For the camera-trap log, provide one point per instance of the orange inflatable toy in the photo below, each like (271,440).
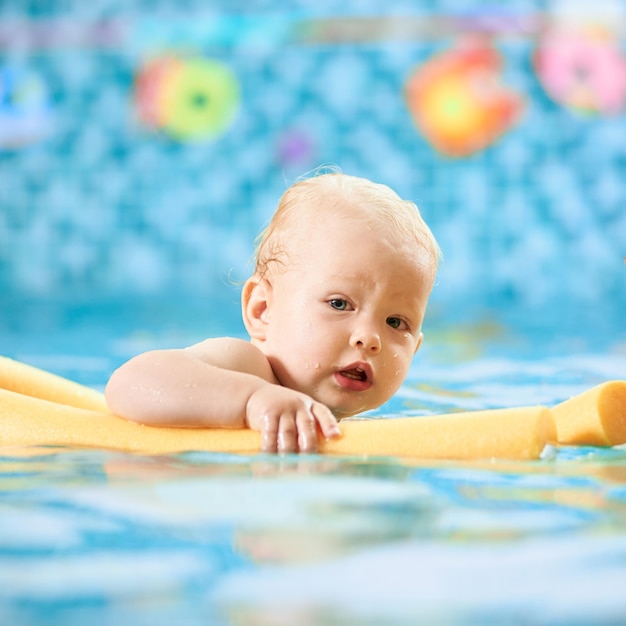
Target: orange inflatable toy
(458,101)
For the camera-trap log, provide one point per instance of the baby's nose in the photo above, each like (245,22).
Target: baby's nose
(368,340)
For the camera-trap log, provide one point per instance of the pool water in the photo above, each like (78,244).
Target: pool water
(99,537)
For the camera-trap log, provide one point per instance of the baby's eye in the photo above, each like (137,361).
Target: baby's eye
(397,323)
(339,304)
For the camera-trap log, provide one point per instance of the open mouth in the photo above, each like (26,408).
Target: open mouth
(355,373)
(355,378)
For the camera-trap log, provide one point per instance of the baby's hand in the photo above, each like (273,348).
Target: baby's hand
(288,419)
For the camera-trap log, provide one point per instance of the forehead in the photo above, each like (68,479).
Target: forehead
(360,250)
(322,231)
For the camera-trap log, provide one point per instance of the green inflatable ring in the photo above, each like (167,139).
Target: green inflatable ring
(202,100)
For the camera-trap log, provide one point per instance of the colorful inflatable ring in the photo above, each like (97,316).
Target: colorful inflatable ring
(40,408)
(25,109)
(583,72)
(202,100)
(191,99)
(458,101)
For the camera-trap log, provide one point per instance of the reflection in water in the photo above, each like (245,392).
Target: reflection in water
(208,538)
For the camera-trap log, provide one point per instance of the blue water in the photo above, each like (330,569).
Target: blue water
(116,238)
(99,537)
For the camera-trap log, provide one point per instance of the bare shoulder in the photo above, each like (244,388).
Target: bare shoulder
(233,354)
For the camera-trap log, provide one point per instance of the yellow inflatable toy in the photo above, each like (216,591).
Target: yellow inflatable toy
(39,408)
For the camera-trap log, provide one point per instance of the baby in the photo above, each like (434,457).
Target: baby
(334,312)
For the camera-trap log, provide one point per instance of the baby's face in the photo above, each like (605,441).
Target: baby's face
(344,319)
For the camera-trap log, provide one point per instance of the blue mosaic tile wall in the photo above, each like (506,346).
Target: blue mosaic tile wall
(99,202)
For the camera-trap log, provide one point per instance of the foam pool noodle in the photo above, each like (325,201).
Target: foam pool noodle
(596,417)
(40,408)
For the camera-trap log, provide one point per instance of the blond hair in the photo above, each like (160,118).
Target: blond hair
(334,191)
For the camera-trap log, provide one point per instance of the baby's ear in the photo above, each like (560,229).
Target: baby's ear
(255,302)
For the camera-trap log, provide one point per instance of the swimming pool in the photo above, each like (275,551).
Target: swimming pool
(121,218)
(100,537)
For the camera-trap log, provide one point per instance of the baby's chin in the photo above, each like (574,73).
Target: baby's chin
(343,412)
(345,407)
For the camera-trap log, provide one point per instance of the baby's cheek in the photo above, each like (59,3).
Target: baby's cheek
(398,370)
(393,382)
(399,364)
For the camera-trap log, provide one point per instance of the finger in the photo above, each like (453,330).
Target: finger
(287,435)
(307,431)
(326,420)
(269,433)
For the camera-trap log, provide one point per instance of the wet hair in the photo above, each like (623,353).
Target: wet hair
(341,194)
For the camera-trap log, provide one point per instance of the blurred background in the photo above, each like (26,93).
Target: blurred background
(144,144)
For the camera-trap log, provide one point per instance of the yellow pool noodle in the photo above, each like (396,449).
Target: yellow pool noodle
(32,381)
(39,408)
(504,433)
(596,417)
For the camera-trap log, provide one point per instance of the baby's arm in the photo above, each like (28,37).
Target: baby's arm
(224,383)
